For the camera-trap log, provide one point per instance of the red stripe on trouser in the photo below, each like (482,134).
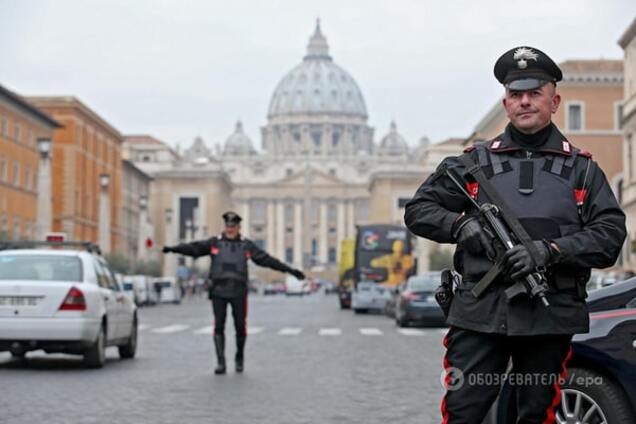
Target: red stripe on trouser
(550,418)
(445,416)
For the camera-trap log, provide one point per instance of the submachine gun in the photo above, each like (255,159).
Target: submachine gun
(503,226)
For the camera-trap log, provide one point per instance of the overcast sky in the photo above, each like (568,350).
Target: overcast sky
(178,69)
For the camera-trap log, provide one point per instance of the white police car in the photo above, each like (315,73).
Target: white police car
(61,300)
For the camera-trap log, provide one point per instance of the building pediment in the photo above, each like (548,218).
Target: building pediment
(317,178)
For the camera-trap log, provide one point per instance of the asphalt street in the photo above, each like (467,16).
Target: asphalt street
(306,362)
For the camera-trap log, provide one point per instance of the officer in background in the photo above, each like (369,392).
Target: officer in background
(563,200)
(229,279)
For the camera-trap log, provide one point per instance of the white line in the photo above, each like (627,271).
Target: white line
(204,330)
(142,327)
(254,330)
(411,332)
(330,332)
(171,329)
(443,331)
(371,332)
(290,331)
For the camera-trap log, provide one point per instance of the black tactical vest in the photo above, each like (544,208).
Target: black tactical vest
(229,261)
(539,188)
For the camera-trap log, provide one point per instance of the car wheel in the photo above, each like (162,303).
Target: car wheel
(95,356)
(359,311)
(128,350)
(588,396)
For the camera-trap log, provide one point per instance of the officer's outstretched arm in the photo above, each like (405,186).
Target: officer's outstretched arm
(600,241)
(195,249)
(262,258)
(436,205)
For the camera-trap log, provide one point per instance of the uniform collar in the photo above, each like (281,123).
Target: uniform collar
(556,143)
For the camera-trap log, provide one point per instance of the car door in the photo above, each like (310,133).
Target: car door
(109,299)
(125,308)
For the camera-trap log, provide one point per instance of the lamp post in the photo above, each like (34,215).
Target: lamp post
(169,261)
(44,197)
(142,230)
(104,213)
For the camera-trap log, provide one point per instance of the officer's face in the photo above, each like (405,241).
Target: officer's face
(232,231)
(531,110)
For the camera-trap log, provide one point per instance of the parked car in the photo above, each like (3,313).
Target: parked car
(170,291)
(144,290)
(296,287)
(600,386)
(63,301)
(415,303)
(369,295)
(330,287)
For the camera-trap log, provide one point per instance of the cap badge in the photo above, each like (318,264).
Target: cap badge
(522,55)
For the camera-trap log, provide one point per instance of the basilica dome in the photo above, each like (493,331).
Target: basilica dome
(317,86)
(238,143)
(393,143)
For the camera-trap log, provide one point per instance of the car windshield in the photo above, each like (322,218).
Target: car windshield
(423,284)
(40,268)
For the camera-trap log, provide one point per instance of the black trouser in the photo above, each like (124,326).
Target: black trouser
(478,363)
(239,313)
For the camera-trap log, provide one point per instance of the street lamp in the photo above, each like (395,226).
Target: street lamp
(44,147)
(143,202)
(104,180)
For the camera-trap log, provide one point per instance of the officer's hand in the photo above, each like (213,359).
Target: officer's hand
(298,274)
(472,238)
(518,263)
(166,249)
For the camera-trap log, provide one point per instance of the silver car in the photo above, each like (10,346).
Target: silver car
(63,301)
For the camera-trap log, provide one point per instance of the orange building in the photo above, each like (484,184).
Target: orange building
(589,115)
(86,147)
(21,125)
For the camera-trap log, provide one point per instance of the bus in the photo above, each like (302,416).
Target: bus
(383,259)
(345,272)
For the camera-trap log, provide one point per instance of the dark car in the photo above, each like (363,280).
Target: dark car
(415,303)
(600,386)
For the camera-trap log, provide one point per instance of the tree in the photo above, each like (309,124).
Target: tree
(118,263)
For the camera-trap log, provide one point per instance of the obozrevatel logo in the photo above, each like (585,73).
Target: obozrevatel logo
(452,379)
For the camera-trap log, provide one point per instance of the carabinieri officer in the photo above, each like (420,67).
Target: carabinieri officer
(230,252)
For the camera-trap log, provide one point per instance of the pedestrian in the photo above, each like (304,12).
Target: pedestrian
(562,199)
(158,286)
(229,253)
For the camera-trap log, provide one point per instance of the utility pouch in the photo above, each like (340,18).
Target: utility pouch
(444,293)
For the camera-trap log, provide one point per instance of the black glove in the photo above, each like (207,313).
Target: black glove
(517,262)
(297,273)
(471,237)
(166,249)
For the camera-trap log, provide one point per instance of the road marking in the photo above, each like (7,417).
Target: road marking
(290,331)
(443,331)
(411,332)
(254,330)
(371,332)
(171,329)
(142,327)
(204,330)
(330,332)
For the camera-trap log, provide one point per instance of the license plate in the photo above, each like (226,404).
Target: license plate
(15,301)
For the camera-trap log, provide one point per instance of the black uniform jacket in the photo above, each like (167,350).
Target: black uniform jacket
(594,241)
(231,287)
